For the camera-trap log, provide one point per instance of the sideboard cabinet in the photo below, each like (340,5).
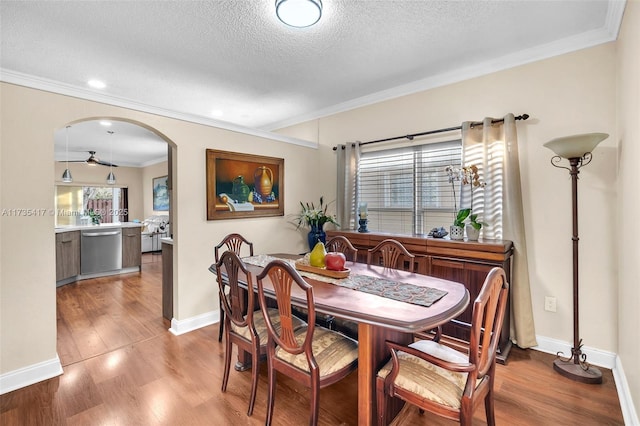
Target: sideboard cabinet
(467,262)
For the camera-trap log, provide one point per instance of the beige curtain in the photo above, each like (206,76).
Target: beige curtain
(493,148)
(348,157)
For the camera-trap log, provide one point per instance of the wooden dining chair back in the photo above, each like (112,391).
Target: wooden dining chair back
(441,380)
(312,355)
(341,244)
(244,327)
(234,243)
(391,254)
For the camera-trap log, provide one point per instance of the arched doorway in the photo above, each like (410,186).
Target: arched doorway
(121,145)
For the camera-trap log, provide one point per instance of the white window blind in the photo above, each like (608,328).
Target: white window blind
(407,189)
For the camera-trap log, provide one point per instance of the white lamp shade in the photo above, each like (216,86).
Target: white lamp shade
(299,13)
(66,176)
(575,146)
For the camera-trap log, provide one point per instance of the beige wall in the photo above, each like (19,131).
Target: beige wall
(565,95)
(129,177)
(629,184)
(27,293)
(148,173)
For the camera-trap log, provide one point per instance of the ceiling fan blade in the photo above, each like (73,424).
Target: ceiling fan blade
(105,163)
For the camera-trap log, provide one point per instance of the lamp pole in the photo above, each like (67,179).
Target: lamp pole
(576,149)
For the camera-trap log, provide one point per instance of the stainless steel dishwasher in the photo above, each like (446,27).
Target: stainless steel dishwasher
(100,250)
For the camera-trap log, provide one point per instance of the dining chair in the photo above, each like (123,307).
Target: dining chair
(341,244)
(441,380)
(244,327)
(312,355)
(234,243)
(391,254)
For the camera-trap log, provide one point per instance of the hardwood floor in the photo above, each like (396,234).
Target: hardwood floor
(122,367)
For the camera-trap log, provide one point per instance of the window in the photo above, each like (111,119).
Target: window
(407,189)
(73,202)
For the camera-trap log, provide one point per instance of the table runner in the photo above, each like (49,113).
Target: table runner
(403,292)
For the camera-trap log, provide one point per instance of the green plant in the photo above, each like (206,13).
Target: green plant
(95,217)
(473,221)
(462,215)
(315,216)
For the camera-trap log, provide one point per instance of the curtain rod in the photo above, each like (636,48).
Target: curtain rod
(431,132)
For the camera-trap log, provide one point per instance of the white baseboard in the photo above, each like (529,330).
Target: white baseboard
(179,327)
(26,376)
(629,412)
(600,358)
(594,356)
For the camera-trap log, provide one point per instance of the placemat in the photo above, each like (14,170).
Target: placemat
(403,292)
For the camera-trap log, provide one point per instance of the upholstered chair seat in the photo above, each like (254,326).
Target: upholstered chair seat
(261,326)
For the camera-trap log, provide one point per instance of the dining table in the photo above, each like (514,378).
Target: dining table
(381,312)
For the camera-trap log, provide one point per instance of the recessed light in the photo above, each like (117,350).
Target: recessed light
(96,84)
(105,123)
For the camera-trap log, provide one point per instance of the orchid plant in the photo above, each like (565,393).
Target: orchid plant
(466,176)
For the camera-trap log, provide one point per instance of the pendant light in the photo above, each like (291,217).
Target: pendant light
(66,176)
(111,178)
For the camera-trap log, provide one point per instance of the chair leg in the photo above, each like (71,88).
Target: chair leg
(227,364)
(221,323)
(489,408)
(271,394)
(315,400)
(255,365)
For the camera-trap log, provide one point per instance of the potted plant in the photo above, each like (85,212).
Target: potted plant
(456,231)
(466,176)
(315,218)
(473,227)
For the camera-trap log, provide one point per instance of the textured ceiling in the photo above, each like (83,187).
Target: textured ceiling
(189,58)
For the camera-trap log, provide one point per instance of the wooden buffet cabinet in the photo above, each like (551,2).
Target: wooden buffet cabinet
(467,262)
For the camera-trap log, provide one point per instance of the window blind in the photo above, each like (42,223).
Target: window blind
(407,189)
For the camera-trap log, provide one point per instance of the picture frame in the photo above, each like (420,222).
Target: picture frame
(243,185)
(160,193)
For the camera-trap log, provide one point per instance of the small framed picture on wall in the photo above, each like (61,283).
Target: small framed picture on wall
(160,194)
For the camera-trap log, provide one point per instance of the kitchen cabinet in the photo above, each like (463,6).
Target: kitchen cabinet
(167,278)
(467,262)
(67,255)
(131,247)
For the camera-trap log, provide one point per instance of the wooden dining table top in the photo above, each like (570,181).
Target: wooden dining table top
(376,310)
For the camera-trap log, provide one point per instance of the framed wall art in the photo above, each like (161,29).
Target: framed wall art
(243,185)
(160,194)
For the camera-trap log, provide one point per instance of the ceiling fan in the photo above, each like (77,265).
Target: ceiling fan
(93,161)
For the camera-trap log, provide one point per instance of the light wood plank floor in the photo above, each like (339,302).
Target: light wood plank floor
(122,367)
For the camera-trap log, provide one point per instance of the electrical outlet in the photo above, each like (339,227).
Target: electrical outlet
(549,304)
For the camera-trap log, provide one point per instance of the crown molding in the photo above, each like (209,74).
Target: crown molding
(605,34)
(33,82)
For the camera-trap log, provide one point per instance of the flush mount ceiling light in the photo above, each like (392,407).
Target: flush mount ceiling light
(299,13)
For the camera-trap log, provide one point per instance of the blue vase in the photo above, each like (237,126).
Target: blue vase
(316,234)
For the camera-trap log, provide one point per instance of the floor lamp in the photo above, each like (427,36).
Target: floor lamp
(577,149)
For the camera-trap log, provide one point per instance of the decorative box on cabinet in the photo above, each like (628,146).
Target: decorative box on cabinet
(467,262)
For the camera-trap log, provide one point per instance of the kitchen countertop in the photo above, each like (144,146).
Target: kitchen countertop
(167,240)
(67,228)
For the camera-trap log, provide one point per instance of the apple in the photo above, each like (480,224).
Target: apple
(335,261)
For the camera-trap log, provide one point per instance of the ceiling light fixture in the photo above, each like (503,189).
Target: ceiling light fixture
(111,178)
(66,176)
(299,13)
